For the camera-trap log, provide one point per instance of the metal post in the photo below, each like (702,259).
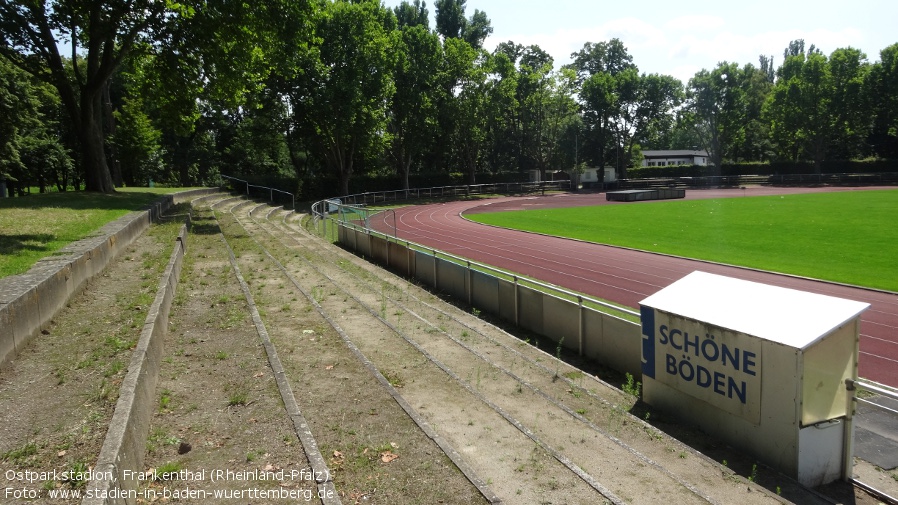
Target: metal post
(434,251)
(517,318)
(469,280)
(580,325)
(848,435)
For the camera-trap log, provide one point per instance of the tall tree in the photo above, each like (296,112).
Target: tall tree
(108,31)
(31,150)
(882,84)
(450,18)
(18,113)
(565,124)
(652,108)
(138,143)
(753,143)
(799,104)
(535,88)
(408,14)
(599,105)
(466,104)
(714,104)
(818,107)
(341,99)
(598,66)
(413,107)
(477,29)
(609,57)
(850,107)
(452,24)
(505,132)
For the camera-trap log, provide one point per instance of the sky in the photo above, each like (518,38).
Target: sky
(679,38)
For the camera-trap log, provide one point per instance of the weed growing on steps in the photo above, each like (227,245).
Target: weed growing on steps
(632,386)
(557,358)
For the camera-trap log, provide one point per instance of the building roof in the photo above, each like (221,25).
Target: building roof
(674,154)
(790,317)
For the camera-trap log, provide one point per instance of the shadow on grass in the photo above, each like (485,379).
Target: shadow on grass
(13,244)
(82,200)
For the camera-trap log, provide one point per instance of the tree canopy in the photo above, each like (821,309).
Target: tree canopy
(319,92)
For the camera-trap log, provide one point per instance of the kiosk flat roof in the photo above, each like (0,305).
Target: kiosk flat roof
(787,316)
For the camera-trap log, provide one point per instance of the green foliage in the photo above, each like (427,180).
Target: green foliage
(413,107)
(714,105)
(30,151)
(327,91)
(137,143)
(340,103)
(38,225)
(632,387)
(818,108)
(882,83)
(32,29)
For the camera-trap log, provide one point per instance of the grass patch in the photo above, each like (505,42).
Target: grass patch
(35,226)
(844,236)
(20,455)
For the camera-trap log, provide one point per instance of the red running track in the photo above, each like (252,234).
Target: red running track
(626,276)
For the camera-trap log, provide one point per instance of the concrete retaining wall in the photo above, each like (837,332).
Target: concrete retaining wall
(610,340)
(125,444)
(28,302)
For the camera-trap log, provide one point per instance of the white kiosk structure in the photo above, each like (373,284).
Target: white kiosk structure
(761,367)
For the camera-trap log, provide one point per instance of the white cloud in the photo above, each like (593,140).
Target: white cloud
(692,22)
(683,45)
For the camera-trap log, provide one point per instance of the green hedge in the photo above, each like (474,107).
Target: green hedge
(771,168)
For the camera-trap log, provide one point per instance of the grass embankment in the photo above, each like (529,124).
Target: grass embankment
(847,237)
(36,226)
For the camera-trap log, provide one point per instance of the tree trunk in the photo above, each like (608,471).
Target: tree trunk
(406,168)
(96,171)
(183,156)
(344,182)
(110,125)
(343,164)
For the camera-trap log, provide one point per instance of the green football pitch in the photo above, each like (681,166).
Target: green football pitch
(849,237)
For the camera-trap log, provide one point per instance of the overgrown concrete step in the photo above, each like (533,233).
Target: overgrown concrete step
(57,396)
(727,478)
(374,448)
(29,301)
(388,353)
(218,417)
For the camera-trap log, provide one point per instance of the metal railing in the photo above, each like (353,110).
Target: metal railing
(271,191)
(324,210)
(881,390)
(324,214)
(375,197)
(338,217)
